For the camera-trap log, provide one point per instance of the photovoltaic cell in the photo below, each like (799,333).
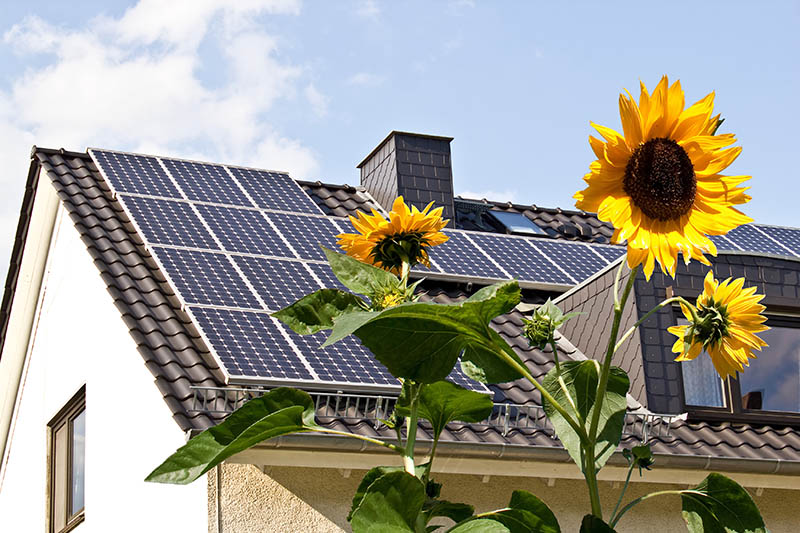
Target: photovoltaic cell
(519,259)
(459,256)
(135,173)
(275,190)
(206,183)
(205,278)
(750,239)
(244,231)
(250,344)
(346,361)
(459,378)
(789,237)
(611,253)
(168,222)
(278,283)
(326,276)
(722,242)
(576,259)
(306,233)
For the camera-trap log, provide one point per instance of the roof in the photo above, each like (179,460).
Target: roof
(179,360)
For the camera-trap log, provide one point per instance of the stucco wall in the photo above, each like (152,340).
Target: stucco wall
(290,500)
(79,339)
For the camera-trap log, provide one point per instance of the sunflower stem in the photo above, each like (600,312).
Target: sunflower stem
(617,278)
(650,313)
(411,430)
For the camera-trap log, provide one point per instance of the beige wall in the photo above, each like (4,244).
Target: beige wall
(294,500)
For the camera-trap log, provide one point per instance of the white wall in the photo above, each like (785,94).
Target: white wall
(80,338)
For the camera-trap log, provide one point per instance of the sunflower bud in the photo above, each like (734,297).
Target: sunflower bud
(541,327)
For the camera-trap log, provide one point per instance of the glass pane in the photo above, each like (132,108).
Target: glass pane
(78,461)
(772,382)
(701,384)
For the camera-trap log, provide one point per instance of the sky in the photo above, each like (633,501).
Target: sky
(311,87)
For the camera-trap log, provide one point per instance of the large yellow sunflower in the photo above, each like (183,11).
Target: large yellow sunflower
(405,237)
(728,318)
(660,184)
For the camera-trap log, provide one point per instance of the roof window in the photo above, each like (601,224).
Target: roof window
(516,223)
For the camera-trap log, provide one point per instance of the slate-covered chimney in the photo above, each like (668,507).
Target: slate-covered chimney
(413,165)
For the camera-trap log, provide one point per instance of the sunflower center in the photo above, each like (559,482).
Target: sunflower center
(660,179)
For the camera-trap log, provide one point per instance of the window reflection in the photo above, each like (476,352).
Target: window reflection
(701,384)
(772,382)
(78,461)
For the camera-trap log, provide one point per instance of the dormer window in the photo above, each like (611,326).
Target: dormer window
(767,391)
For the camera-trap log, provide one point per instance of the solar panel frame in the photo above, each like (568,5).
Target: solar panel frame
(521,259)
(206,182)
(306,244)
(179,227)
(291,278)
(144,176)
(748,238)
(788,237)
(459,250)
(583,261)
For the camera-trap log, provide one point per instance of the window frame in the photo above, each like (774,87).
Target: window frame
(733,410)
(65,416)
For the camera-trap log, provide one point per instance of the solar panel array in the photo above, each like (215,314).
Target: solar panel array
(770,240)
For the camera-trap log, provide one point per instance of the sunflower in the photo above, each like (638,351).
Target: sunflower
(728,317)
(405,237)
(659,184)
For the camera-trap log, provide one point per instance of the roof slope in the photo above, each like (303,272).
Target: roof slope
(178,359)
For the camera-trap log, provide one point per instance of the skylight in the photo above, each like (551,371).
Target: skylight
(516,223)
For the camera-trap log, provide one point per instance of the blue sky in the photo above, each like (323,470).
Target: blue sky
(311,87)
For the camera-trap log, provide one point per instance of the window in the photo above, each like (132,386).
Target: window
(768,390)
(67,433)
(516,223)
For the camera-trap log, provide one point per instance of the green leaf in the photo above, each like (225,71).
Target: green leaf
(443,402)
(720,505)
(526,514)
(483,365)
(422,341)
(456,512)
(391,504)
(481,525)
(278,412)
(370,477)
(357,276)
(580,380)
(317,311)
(592,524)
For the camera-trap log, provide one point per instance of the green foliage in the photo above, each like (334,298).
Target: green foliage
(639,456)
(526,514)
(422,341)
(317,311)
(357,276)
(443,402)
(542,325)
(278,412)
(578,395)
(457,512)
(720,505)
(370,477)
(479,526)
(592,524)
(391,504)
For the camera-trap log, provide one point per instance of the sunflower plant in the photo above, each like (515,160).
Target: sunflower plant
(659,184)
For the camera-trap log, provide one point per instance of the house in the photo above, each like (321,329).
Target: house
(135,314)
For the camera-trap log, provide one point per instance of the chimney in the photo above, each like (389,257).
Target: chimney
(413,165)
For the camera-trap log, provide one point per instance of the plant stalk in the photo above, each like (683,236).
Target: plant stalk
(624,488)
(411,430)
(641,499)
(359,437)
(590,473)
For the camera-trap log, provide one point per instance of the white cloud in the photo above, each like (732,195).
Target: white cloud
(134,83)
(366,79)
(368,9)
(318,101)
(488,194)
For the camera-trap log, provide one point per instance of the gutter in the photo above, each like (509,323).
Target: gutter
(515,460)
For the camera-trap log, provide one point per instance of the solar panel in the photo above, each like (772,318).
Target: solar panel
(250,344)
(244,231)
(611,253)
(206,183)
(347,361)
(168,222)
(133,173)
(278,283)
(520,259)
(581,260)
(205,278)
(306,233)
(326,276)
(274,190)
(749,238)
(459,256)
(789,237)
(722,242)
